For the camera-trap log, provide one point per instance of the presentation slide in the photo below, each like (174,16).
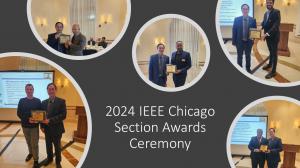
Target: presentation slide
(246,128)
(12,86)
(231,9)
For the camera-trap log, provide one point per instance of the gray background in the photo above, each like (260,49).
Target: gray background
(222,87)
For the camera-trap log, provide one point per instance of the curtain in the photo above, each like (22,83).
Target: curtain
(181,30)
(83,12)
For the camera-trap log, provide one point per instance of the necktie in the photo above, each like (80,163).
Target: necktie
(160,63)
(245,29)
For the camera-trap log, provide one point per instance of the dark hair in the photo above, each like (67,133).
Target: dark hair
(51,84)
(245,5)
(29,85)
(272,129)
(104,38)
(59,23)
(160,44)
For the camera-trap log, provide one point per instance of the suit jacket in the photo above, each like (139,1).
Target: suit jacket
(237,30)
(275,146)
(255,144)
(54,43)
(184,63)
(55,115)
(77,46)
(271,25)
(154,72)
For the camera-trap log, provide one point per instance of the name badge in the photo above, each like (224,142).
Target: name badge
(183,60)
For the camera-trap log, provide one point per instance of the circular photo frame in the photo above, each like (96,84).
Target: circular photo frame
(193,39)
(104,20)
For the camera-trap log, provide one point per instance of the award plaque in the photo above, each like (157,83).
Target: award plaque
(264,148)
(171,68)
(64,38)
(255,33)
(38,115)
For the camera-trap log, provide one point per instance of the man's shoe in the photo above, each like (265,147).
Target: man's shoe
(48,161)
(249,71)
(35,164)
(266,67)
(29,156)
(58,165)
(270,75)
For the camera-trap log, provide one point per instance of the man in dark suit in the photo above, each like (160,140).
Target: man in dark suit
(271,26)
(91,41)
(274,149)
(182,60)
(258,157)
(103,42)
(77,44)
(157,67)
(53,39)
(240,36)
(53,126)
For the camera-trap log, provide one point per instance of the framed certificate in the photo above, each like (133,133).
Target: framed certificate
(38,115)
(171,68)
(264,148)
(255,33)
(64,38)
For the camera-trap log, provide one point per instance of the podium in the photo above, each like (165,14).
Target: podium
(289,156)
(283,48)
(80,134)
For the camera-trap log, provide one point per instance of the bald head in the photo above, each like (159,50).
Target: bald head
(76,29)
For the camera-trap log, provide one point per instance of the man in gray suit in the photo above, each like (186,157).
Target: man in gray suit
(76,45)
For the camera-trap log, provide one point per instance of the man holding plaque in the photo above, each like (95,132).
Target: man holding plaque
(274,149)
(271,26)
(241,36)
(257,147)
(77,44)
(30,128)
(54,38)
(158,65)
(182,60)
(53,125)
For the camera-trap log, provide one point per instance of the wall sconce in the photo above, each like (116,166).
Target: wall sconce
(105,19)
(41,21)
(297,124)
(159,40)
(63,20)
(62,83)
(288,2)
(261,2)
(275,124)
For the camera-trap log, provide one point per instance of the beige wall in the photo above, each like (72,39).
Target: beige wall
(289,14)
(69,93)
(118,10)
(147,46)
(53,10)
(286,114)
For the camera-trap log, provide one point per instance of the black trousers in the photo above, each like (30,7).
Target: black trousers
(273,49)
(179,80)
(53,139)
(272,164)
(258,161)
(244,47)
